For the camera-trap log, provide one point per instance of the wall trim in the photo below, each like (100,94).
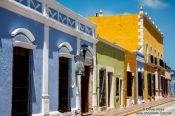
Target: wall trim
(65,55)
(25,32)
(27,12)
(24,45)
(65,44)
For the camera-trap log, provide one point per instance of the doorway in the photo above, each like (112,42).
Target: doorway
(64,99)
(110,89)
(20,82)
(121,93)
(102,88)
(85,90)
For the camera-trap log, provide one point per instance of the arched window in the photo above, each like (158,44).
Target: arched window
(65,50)
(89,56)
(23,38)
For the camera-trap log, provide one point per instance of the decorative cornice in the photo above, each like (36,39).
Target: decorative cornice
(146,16)
(27,12)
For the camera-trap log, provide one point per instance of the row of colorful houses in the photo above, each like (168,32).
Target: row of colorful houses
(41,43)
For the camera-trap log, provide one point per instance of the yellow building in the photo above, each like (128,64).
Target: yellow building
(137,32)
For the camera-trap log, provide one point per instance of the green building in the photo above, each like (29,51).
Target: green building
(110,74)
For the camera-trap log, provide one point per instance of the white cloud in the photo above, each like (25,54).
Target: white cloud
(156,4)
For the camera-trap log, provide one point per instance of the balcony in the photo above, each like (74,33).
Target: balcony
(155,61)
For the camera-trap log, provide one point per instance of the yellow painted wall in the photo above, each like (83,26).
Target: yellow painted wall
(152,37)
(120,29)
(131,59)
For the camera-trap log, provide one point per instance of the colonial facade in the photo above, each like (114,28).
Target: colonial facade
(110,75)
(138,34)
(38,42)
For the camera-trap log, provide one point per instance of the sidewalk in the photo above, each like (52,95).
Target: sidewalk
(135,108)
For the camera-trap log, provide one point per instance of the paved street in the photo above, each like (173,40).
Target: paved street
(167,109)
(166,106)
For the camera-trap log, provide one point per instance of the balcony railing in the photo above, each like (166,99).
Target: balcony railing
(155,61)
(61,15)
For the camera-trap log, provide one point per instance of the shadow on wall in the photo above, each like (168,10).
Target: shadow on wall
(103,49)
(0,44)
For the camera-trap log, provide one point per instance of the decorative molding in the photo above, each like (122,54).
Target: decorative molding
(91,51)
(25,32)
(27,12)
(140,30)
(24,45)
(63,16)
(153,24)
(66,44)
(65,55)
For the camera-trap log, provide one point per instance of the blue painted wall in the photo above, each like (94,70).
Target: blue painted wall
(9,22)
(173,87)
(83,42)
(173,82)
(57,37)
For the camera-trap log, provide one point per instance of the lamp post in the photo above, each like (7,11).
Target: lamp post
(79,63)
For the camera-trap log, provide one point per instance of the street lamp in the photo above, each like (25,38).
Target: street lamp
(79,63)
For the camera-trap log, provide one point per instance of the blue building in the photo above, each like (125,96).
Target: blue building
(38,42)
(139,77)
(173,82)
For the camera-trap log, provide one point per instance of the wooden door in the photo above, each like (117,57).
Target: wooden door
(85,90)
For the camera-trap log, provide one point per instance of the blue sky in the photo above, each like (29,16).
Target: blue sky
(161,11)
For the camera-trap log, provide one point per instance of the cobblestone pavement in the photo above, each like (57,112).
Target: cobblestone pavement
(137,108)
